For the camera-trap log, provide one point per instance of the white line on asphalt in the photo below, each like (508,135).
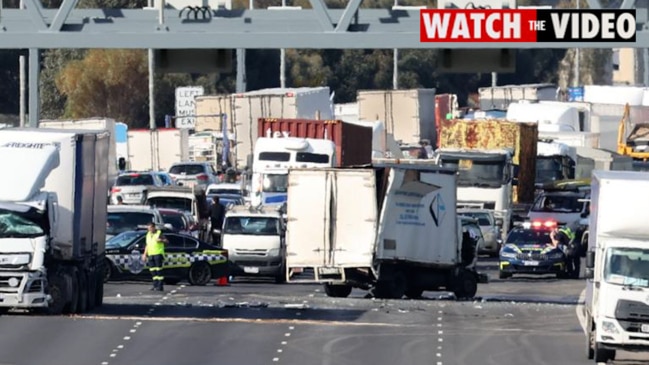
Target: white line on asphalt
(580,311)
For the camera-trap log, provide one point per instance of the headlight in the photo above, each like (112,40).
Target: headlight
(509,255)
(609,327)
(273,252)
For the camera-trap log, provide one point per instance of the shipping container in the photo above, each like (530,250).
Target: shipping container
(575,139)
(157,149)
(521,138)
(589,159)
(499,97)
(347,111)
(409,115)
(243,111)
(353,141)
(445,108)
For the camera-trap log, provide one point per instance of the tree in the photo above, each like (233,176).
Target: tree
(106,83)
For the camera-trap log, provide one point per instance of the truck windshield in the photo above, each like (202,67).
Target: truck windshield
(18,224)
(275,183)
(547,170)
(474,173)
(627,266)
(260,226)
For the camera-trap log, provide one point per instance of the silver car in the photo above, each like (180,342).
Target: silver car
(131,187)
(490,230)
(193,174)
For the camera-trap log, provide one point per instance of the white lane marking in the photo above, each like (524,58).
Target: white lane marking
(126,338)
(275,359)
(279,350)
(284,342)
(580,308)
(287,334)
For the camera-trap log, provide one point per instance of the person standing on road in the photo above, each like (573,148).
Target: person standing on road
(561,241)
(217,215)
(155,252)
(572,252)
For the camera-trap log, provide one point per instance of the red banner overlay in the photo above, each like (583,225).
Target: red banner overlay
(527,25)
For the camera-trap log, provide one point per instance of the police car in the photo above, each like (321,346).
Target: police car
(186,258)
(527,250)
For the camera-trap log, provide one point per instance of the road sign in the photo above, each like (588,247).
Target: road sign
(186,107)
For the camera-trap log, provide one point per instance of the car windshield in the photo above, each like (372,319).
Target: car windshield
(627,266)
(126,180)
(119,222)
(186,170)
(275,183)
(483,218)
(529,237)
(19,224)
(558,204)
(123,239)
(176,220)
(260,226)
(170,203)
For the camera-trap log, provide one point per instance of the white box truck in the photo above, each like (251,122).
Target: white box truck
(52,219)
(244,110)
(617,265)
(157,149)
(392,228)
(102,124)
(409,115)
(499,97)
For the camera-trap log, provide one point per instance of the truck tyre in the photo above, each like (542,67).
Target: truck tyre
(280,278)
(200,273)
(465,284)
(82,305)
(99,293)
(73,305)
(414,292)
(602,354)
(92,289)
(392,287)
(590,338)
(337,291)
(58,289)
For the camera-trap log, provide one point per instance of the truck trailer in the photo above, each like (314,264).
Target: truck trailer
(53,209)
(617,265)
(391,228)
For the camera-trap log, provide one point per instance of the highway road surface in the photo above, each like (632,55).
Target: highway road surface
(526,320)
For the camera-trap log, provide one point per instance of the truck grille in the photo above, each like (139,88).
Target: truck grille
(4,283)
(532,256)
(632,312)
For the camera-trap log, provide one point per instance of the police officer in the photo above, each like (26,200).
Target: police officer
(217,215)
(155,252)
(573,261)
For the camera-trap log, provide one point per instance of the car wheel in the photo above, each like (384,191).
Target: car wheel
(109,269)
(200,274)
(504,275)
(465,284)
(337,291)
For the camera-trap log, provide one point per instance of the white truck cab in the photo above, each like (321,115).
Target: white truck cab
(254,238)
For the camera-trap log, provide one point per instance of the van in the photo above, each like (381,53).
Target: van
(255,240)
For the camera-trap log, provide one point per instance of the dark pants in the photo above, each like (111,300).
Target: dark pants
(216,239)
(573,264)
(155,263)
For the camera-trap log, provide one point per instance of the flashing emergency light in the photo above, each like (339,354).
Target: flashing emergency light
(544,224)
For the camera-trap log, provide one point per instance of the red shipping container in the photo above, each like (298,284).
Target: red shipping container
(443,106)
(353,142)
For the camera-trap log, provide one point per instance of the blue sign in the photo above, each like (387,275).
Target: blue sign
(121,133)
(576,93)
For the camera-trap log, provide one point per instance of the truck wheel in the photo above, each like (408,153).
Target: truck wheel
(466,284)
(280,278)
(602,354)
(414,292)
(392,287)
(337,291)
(73,305)
(57,289)
(82,305)
(200,274)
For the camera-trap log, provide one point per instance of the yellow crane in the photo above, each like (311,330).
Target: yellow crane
(636,144)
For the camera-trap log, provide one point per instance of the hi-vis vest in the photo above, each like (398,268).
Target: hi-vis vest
(153,244)
(568,232)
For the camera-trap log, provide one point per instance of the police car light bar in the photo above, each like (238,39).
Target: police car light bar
(544,224)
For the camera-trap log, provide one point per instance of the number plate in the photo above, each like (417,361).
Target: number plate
(251,270)
(328,270)
(645,328)
(531,263)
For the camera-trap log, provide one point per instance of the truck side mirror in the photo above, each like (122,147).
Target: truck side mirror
(590,259)
(121,164)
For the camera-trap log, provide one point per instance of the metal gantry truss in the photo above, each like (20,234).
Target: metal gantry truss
(316,28)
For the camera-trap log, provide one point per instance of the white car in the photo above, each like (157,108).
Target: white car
(131,187)
(490,230)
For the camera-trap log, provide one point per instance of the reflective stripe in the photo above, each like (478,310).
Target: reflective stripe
(178,260)
(568,232)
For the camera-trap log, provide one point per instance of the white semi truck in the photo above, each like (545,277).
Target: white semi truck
(52,219)
(617,265)
(392,229)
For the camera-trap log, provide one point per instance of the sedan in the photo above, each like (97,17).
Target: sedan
(186,258)
(528,251)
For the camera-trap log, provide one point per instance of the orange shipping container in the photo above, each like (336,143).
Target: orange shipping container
(521,138)
(353,142)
